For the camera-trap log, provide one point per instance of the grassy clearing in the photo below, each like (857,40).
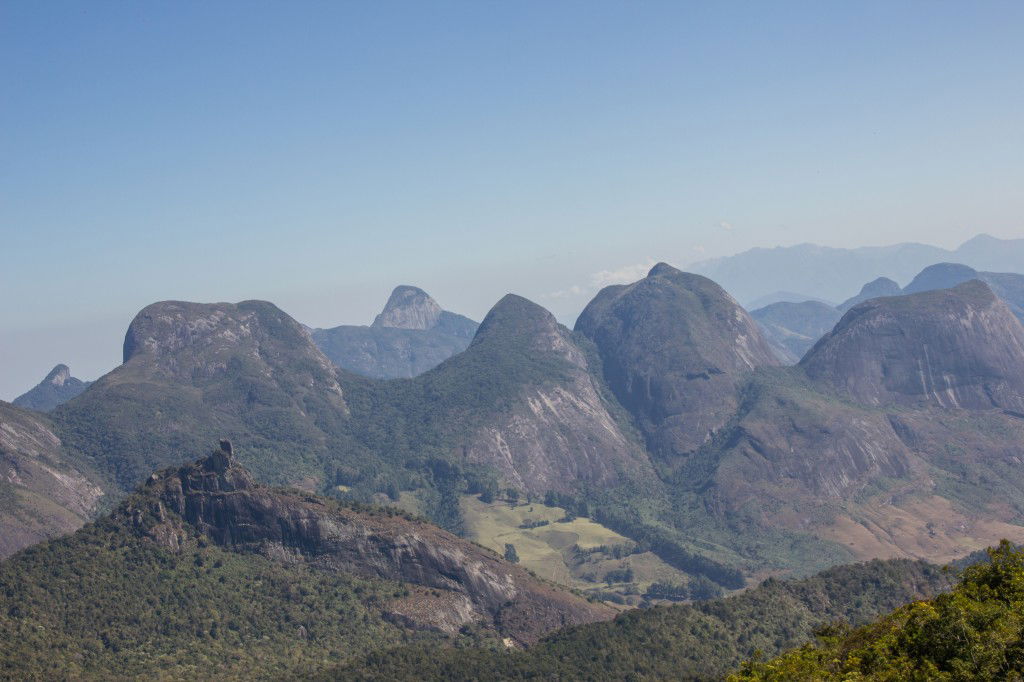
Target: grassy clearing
(550,550)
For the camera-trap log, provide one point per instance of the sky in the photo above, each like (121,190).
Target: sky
(316,154)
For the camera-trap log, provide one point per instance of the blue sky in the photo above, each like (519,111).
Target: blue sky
(316,154)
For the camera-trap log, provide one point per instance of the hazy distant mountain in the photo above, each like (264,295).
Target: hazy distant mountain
(58,387)
(833,273)
(792,328)
(1008,286)
(883,286)
(411,335)
(782,297)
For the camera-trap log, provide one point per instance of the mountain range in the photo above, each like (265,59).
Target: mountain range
(793,327)
(665,417)
(829,274)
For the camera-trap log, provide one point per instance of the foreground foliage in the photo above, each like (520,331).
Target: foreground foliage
(103,604)
(975,632)
(696,641)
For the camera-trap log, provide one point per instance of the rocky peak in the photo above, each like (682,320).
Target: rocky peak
(57,388)
(518,320)
(409,307)
(876,288)
(959,347)
(58,376)
(675,346)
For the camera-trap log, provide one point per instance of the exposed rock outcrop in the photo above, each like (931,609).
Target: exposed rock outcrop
(959,347)
(554,430)
(42,495)
(409,308)
(410,336)
(218,498)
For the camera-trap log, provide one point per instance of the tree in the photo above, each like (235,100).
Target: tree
(510,553)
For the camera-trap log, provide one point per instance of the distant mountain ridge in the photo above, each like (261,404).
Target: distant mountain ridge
(57,388)
(831,273)
(411,335)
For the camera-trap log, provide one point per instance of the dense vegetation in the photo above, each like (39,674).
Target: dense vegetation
(104,603)
(693,641)
(974,632)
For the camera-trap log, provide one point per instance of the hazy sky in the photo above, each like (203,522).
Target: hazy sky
(316,154)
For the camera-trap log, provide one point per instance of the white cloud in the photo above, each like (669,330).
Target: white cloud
(574,290)
(627,274)
(699,249)
(725,225)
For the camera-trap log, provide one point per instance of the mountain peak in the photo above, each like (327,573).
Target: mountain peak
(518,319)
(409,307)
(876,288)
(954,347)
(59,375)
(940,276)
(58,387)
(663,269)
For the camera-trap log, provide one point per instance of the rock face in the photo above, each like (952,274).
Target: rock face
(412,335)
(409,308)
(555,431)
(195,371)
(793,328)
(218,498)
(57,388)
(959,347)
(675,348)
(883,286)
(42,495)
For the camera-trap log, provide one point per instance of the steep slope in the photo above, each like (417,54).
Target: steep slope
(204,571)
(793,328)
(522,400)
(876,288)
(56,389)
(193,372)
(959,347)
(675,348)
(701,641)
(410,336)
(42,495)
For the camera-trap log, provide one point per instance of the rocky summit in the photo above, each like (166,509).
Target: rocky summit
(675,347)
(410,336)
(409,308)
